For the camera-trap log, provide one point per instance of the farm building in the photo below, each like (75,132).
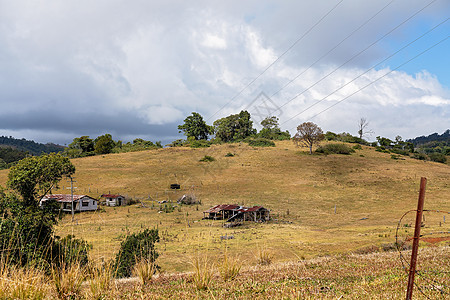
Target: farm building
(80,202)
(237,213)
(114,200)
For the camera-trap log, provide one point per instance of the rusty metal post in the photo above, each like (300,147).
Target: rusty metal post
(415,247)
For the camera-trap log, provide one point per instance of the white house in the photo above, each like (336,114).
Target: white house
(80,202)
(114,200)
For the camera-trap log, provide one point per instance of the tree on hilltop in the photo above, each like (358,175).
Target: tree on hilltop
(308,134)
(195,127)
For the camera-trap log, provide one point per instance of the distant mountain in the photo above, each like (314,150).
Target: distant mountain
(435,137)
(29,146)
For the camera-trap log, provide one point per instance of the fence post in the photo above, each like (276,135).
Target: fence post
(415,247)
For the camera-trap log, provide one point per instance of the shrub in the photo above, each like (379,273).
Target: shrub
(229,154)
(438,157)
(70,250)
(334,149)
(200,144)
(207,158)
(357,147)
(134,248)
(420,156)
(261,142)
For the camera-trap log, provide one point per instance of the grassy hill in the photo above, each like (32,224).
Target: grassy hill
(370,191)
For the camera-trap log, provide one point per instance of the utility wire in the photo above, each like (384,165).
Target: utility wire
(365,72)
(347,37)
(276,60)
(379,78)
(359,53)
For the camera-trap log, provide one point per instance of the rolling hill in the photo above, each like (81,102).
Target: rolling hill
(320,204)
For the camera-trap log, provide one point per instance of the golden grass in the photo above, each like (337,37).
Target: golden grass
(369,190)
(67,280)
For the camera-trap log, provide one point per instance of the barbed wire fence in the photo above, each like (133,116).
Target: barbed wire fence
(435,229)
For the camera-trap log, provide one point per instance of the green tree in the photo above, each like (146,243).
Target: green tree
(80,147)
(104,144)
(26,230)
(308,134)
(234,127)
(272,131)
(194,127)
(33,177)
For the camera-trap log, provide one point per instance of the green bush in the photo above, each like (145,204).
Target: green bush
(261,142)
(70,250)
(207,158)
(334,149)
(200,144)
(438,157)
(357,147)
(229,154)
(420,156)
(134,248)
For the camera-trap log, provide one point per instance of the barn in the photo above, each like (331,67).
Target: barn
(80,202)
(234,212)
(114,200)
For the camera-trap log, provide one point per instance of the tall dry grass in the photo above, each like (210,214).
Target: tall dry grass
(23,283)
(67,280)
(203,272)
(230,267)
(144,270)
(101,280)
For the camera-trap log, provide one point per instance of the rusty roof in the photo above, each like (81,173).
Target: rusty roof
(111,196)
(218,208)
(65,197)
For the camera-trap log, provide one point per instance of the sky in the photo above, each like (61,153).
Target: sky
(137,69)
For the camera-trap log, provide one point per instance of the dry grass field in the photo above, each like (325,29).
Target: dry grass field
(369,190)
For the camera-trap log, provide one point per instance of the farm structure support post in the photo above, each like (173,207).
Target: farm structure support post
(415,247)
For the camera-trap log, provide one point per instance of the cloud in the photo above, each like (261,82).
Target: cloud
(140,67)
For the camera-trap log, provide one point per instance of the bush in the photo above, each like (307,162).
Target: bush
(334,149)
(438,157)
(200,144)
(420,156)
(207,158)
(70,250)
(357,147)
(261,142)
(229,154)
(136,247)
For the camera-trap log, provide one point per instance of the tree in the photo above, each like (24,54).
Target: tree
(308,134)
(362,128)
(234,127)
(272,131)
(194,127)
(33,177)
(104,144)
(80,147)
(26,228)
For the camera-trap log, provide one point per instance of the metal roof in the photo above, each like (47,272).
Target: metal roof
(218,208)
(65,197)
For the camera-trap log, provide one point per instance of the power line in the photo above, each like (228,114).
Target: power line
(276,60)
(371,68)
(421,53)
(356,55)
(347,37)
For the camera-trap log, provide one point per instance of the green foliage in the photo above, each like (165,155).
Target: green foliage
(385,142)
(207,158)
(194,127)
(438,157)
(37,175)
(357,147)
(133,249)
(29,146)
(199,143)
(229,154)
(335,149)
(69,250)
(272,130)
(261,142)
(178,143)
(104,144)
(137,145)
(234,127)
(80,147)
(9,155)
(420,156)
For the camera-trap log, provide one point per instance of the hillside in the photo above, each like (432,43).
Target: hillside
(29,146)
(370,191)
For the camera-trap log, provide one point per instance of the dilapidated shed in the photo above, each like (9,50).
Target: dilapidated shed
(234,212)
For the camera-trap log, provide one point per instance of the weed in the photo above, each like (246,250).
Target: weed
(67,280)
(207,158)
(203,272)
(144,270)
(264,256)
(230,267)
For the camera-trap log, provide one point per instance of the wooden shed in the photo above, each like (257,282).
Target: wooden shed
(234,212)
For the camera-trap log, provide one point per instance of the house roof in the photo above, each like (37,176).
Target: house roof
(111,196)
(65,197)
(218,208)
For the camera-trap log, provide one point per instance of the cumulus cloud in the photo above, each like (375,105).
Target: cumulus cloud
(138,68)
